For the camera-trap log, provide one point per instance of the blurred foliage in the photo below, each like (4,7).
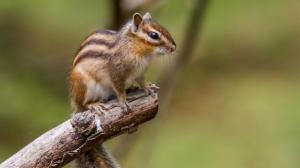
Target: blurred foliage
(235,105)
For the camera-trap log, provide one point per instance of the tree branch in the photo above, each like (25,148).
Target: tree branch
(67,141)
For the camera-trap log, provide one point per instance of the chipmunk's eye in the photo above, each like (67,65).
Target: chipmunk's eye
(153,35)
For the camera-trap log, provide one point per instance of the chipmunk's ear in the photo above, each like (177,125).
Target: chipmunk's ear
(147,16)
(137,20)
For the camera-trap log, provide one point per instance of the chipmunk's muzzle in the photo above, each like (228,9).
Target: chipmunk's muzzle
(166,49)
(173,47)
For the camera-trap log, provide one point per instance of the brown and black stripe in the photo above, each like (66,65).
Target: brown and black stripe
(165,34)
(96,45)
(163,31)
(146,28)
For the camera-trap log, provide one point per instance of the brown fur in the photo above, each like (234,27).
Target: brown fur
(110,44)
(108,33)
(96,158)
(78,90)
(140,46)
(88,55)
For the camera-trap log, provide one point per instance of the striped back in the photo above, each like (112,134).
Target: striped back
(96,45)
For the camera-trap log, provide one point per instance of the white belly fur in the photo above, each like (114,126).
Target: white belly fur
(97,91)
(103,90)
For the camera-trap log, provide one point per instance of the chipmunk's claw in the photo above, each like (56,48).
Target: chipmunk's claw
(98,107)
(148,90)
(125,107)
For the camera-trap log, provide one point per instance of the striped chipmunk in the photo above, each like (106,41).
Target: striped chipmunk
(109,61)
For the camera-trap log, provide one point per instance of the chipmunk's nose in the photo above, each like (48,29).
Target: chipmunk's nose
(173,48)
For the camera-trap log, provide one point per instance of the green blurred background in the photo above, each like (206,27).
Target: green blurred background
(235,105)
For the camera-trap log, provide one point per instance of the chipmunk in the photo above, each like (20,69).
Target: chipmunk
(109,61)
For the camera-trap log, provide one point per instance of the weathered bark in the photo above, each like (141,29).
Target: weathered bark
(67,141)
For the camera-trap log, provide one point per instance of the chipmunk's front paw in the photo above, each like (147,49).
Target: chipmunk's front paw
(148,90)
(123,105)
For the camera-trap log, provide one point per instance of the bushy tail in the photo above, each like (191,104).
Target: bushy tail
(97,157)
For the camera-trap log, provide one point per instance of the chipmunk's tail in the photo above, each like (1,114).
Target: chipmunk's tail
(97,157)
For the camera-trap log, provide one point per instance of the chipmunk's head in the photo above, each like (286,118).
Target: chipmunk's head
(151,36)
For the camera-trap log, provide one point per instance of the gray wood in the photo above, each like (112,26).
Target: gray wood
(67,141)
